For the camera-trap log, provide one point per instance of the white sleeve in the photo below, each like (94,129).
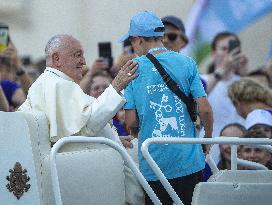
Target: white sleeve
(103,110)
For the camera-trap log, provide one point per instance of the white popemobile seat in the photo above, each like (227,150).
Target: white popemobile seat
(16,149)
(88,176)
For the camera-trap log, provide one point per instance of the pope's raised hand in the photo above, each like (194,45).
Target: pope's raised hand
(125,75)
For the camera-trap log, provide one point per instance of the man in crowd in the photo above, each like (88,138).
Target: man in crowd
(225,65)
(157,111)
(174,38)
(228,63)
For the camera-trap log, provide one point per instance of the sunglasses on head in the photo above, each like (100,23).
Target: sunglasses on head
(171,36)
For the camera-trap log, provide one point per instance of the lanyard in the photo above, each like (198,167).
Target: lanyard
(157,49)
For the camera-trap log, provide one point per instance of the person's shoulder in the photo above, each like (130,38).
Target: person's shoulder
(179,56)
(52,78)
(48,80)
(140,59)
(43,79)
(186,58)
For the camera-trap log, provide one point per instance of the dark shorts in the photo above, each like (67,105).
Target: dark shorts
(183,186)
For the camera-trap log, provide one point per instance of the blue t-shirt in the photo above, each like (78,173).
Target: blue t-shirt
(162,114)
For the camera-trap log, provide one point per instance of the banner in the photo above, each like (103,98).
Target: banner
(213,16)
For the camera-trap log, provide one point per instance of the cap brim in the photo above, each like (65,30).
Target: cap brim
(123,38)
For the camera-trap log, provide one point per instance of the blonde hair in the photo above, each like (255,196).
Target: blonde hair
(247,90)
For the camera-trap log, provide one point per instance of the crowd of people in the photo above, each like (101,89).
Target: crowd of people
(233,100)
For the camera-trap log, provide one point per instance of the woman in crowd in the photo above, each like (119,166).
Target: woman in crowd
(254,103)
(230,130)
(11,89)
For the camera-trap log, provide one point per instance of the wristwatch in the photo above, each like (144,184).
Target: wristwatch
(20,72)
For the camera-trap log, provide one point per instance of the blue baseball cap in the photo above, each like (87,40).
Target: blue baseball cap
(145,24)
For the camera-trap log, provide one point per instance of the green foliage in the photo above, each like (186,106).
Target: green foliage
(201,52)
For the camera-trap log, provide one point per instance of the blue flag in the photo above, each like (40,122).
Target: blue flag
(225,15)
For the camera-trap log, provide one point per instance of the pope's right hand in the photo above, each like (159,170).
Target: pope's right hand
(125,75)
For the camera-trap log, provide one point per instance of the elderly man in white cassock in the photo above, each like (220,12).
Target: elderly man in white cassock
(57,93)
(69,110)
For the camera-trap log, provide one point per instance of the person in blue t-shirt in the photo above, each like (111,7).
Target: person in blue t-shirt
(157,112)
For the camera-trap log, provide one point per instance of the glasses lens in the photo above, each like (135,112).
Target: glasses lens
(172,36)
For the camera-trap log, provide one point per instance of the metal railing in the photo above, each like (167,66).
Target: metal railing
(100,140)
(233,141)
(251,165)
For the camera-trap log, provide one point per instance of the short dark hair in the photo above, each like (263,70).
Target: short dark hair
(148,39)
(237,125)
(127,42)
(221,36)
(255,134)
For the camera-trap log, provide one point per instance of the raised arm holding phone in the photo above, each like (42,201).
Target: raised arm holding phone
(9,51)
(228,59)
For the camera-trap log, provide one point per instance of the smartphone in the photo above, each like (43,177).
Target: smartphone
(104,51)
(234,44)
(4,36)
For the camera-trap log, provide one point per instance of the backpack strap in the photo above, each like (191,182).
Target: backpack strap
(173,86)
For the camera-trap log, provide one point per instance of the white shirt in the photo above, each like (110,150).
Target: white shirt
(69,110)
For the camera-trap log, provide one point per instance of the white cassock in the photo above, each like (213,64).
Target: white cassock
(71,112)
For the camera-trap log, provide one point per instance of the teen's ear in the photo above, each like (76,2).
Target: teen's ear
(141,40)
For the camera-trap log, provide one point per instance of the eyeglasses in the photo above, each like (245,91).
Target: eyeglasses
(171,36)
